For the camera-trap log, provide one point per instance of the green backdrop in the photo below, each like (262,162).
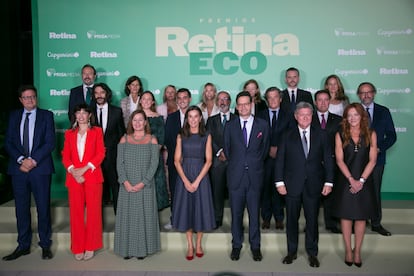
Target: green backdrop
(188,43)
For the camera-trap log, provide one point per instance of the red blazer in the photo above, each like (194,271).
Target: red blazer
(94,153)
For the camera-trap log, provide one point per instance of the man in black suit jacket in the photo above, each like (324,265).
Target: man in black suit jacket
(82,94)
(382,123)
(215,125)
(174,123)
(304,171)
(30,141)
(272,203)
(288,101)
(330,123)
(110,118)
(246,145)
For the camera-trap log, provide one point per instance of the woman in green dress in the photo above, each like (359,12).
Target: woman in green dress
(137,232)
(156,123)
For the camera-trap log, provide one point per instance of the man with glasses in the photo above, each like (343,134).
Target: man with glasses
(380,121)
(30,140)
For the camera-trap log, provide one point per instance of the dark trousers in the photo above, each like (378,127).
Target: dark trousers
(244,196)
(219,189)
(272,202)
(310,208)
(377,182)
(110,184)
(23,185)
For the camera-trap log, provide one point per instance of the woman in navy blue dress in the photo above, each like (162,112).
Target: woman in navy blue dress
(193,210)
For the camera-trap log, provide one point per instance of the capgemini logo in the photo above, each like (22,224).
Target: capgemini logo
(50,72)
(90,34)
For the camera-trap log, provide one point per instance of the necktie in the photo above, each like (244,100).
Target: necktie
(369,116)
(274,118)
(26,146)
(305,144)
(245,132)
(88,95)
(224,119)
(293,101)
(323,122)
(100,117)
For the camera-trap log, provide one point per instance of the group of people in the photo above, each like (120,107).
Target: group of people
(282,153)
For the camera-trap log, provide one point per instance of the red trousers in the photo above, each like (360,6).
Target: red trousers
(85,208)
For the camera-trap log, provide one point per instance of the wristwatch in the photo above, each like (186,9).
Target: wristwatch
(362,180)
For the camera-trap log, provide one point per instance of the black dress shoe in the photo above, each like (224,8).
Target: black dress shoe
(127,257)
(16,254)
(266,224)
(46,254)
(381,230)
(280,225)
(313,261)
(289,258)
(257,255)
(334,230)
(235,254)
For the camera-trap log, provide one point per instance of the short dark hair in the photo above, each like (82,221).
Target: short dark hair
(292,69)
(89,66)
(184,90)
(323,91)
(374,89)
(106,88)
(25,87)
(243,94)
(77,108)
(271,89)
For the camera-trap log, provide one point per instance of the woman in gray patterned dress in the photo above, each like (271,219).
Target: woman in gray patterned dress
(137,231)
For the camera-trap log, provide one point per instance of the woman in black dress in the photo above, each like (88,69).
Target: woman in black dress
(356,155)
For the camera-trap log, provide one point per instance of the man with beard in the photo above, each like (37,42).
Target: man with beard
(82,94)
(109,117)
(292,94)
(215,126)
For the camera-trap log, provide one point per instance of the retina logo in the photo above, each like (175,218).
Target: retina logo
(103,54)
(94,35)
(58,56)
(63,92)
(225,52)
(389,33)
(393,71)
(351,52)
(53,35)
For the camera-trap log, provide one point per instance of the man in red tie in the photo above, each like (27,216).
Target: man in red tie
(323,119)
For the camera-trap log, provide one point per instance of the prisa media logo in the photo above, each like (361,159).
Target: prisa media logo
(51,72)
(64,35)
(94,35)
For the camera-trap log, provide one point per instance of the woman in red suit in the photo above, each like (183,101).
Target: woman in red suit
(83,152)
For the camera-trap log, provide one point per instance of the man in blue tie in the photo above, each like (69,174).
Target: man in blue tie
(30,140)
(246,145)
(382,123)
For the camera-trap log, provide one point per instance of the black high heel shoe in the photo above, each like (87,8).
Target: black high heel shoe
(348,263)
(358,264)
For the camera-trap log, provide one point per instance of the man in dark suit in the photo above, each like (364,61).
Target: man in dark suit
(215,125)
(304,171)
(246,145)
(330,123)
(292,94)
(382,123)
(30,140)
(272,203)
(83,93)
(110,118)
(173,125)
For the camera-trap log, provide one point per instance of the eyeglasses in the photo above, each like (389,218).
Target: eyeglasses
(366,93)
(26,98)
